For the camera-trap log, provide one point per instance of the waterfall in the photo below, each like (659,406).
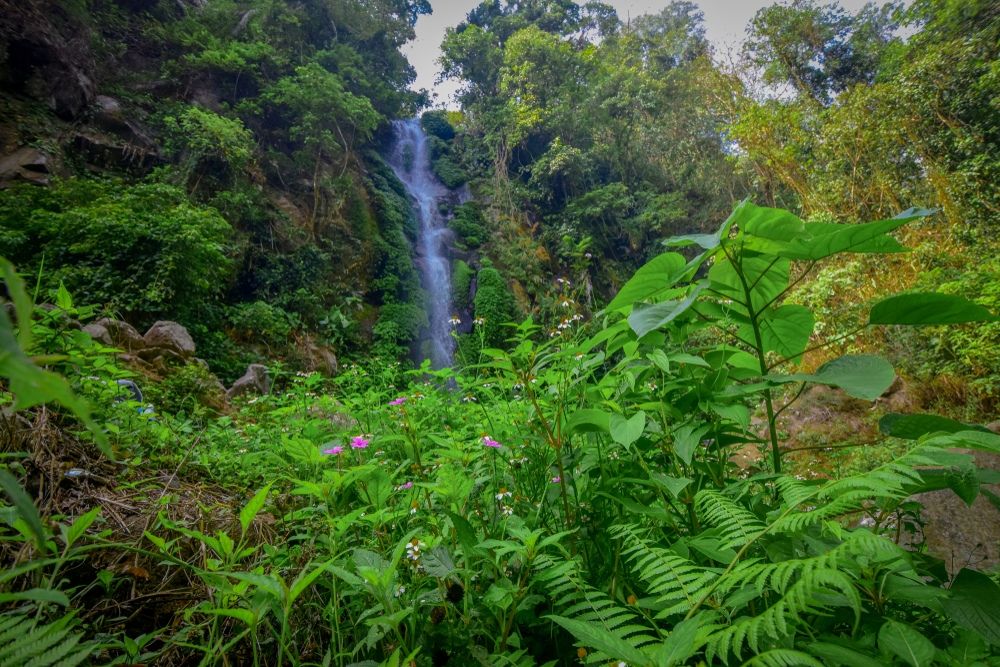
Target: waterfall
(411,161)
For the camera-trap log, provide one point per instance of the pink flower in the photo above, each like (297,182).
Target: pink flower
(359,442)
(398,401)
(556,479)
(405,486)
(333,451)
(490,442)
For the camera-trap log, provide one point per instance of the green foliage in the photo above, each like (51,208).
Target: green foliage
(571,496)
(461,285)
(469,225)
(436,123)
(200,139)
(143,250)
(494,304)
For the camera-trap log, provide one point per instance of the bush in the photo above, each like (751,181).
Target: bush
(435,123)
(261,322)
(494,304)
(143,250)
(469,225)
(449,173)
(461,285)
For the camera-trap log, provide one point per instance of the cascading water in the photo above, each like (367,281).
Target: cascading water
(411,161)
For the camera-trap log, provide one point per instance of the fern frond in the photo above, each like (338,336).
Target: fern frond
(810,594)
(574,598)
(38,644)
(783,657)
(739,526)
(674,582)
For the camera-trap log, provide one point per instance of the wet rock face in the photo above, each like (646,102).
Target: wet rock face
(46,56)
(26,165)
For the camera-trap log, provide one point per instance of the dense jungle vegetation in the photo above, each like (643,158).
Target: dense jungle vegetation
(726,324)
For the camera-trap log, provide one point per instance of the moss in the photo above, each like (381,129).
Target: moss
(469,225)
(436,124)
(461,284)
(494,304)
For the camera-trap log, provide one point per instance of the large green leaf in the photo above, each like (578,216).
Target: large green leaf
(928,308)
(589,420)
(824,239)
(26,509)
(626,431)
(593,635)
(649,318)
(655,276)
(774,224)
(912,427)
(905,642)
(785,330)
(863,376)
(766,276)
(974,603)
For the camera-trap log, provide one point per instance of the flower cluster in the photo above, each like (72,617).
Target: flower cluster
(413,549)
(333,451)
(490,442)
(359,442)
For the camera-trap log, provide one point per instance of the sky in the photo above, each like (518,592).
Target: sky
(725,23)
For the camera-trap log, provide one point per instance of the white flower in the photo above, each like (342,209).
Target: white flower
(454,321)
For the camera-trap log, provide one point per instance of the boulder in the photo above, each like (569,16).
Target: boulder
(319,358)
(98,332)
(255,381)
(170,336)
(25,165)
(121,334)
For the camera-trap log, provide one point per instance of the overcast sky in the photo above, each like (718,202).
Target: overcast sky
(725,23)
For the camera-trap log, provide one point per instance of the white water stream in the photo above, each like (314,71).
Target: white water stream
(411,161)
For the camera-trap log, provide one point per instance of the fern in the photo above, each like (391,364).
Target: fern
(575,599)
(674,582)
(739,526)
(28,643)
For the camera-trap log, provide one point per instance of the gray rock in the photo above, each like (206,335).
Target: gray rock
(99,333)
(170,336)
(255,381)
(26,165)
(121,334)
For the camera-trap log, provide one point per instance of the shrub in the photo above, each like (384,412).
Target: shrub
(469,225)
(461,284)
(436,124)
(494,304)
(143,250)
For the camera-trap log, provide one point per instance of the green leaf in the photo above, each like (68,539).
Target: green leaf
(673,485)
(63,298)
(626,431)
(37,595)
(766,277)
(775,224)
(825,239)
(590,634)
(80,526)
(786,330)
(303,581)
(251,509)
(22,304)
(655,276)
(649,318)
(963,480)
(913,427)
(974,603)
(686,440)
(25,508)
(834,654)
(905,642)
(244,615)
(863,376)
(680,645)
(589,420)
(928,308)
